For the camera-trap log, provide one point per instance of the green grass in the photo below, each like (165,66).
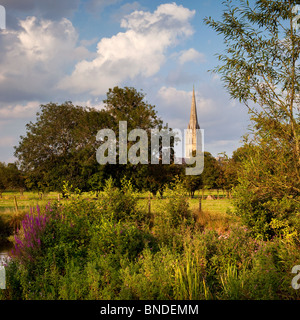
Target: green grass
(25,201)
(215,213)
(31,199)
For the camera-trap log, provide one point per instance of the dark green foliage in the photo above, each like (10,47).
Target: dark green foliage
(127,104)
(60,146)
(11,178)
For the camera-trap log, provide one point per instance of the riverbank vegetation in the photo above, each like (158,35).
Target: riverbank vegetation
(113,248)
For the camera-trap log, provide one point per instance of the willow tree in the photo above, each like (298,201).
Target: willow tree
(260,68)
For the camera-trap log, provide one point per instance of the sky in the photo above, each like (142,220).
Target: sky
(75,50)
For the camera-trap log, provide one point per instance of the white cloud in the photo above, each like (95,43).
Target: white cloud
(90,103)
(191,55)
(19,110)
(180,100)
(139,51)
(36,56)
(126,9)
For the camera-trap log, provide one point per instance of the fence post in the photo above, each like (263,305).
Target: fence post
(149,204)
(16,203)
(200,204)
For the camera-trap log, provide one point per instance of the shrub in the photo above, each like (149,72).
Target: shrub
(151,277)
(119,204)
(177,205)
(121,238)
(258,207)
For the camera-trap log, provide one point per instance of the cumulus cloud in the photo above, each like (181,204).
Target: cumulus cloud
(19,111)
(139,51)
(191,55)
(126,9)
(35,57)
(179,101)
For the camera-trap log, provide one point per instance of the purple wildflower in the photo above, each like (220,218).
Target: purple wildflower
(33,227)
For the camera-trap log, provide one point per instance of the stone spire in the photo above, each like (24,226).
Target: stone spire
(191,138)
(193,124)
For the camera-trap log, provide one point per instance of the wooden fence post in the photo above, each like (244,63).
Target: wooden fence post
(200,204)
(149,204)
(16,204)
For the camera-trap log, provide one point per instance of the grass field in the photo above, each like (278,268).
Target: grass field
(25,201)
(31,199)
(215,214)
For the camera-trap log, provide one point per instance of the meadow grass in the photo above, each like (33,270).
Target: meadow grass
(215,214)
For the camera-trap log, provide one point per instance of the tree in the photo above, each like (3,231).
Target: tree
(194,182)
(2,179)
(260,68)
(61,145)
(211,171)
(228,173)
(208,179)
(127,104)
(10,178)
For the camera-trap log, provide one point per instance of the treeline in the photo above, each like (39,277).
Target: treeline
(263,175)
(11,178)
(61,146)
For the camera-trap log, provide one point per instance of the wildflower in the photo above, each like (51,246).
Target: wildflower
(33,226)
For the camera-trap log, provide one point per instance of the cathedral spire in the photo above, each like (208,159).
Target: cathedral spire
(191,138)
(193,124)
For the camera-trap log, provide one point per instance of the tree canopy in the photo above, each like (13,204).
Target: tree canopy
(260,68)
(60,145)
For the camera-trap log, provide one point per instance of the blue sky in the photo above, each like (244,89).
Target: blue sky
(75,50)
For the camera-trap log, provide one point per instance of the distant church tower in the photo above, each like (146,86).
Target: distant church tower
(191,139)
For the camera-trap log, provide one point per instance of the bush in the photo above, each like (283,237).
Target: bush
(119,204)
(267,192)
(177,205)
(173,215)
(151,277)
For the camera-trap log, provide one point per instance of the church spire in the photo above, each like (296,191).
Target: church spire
(191,138)
(193,124)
